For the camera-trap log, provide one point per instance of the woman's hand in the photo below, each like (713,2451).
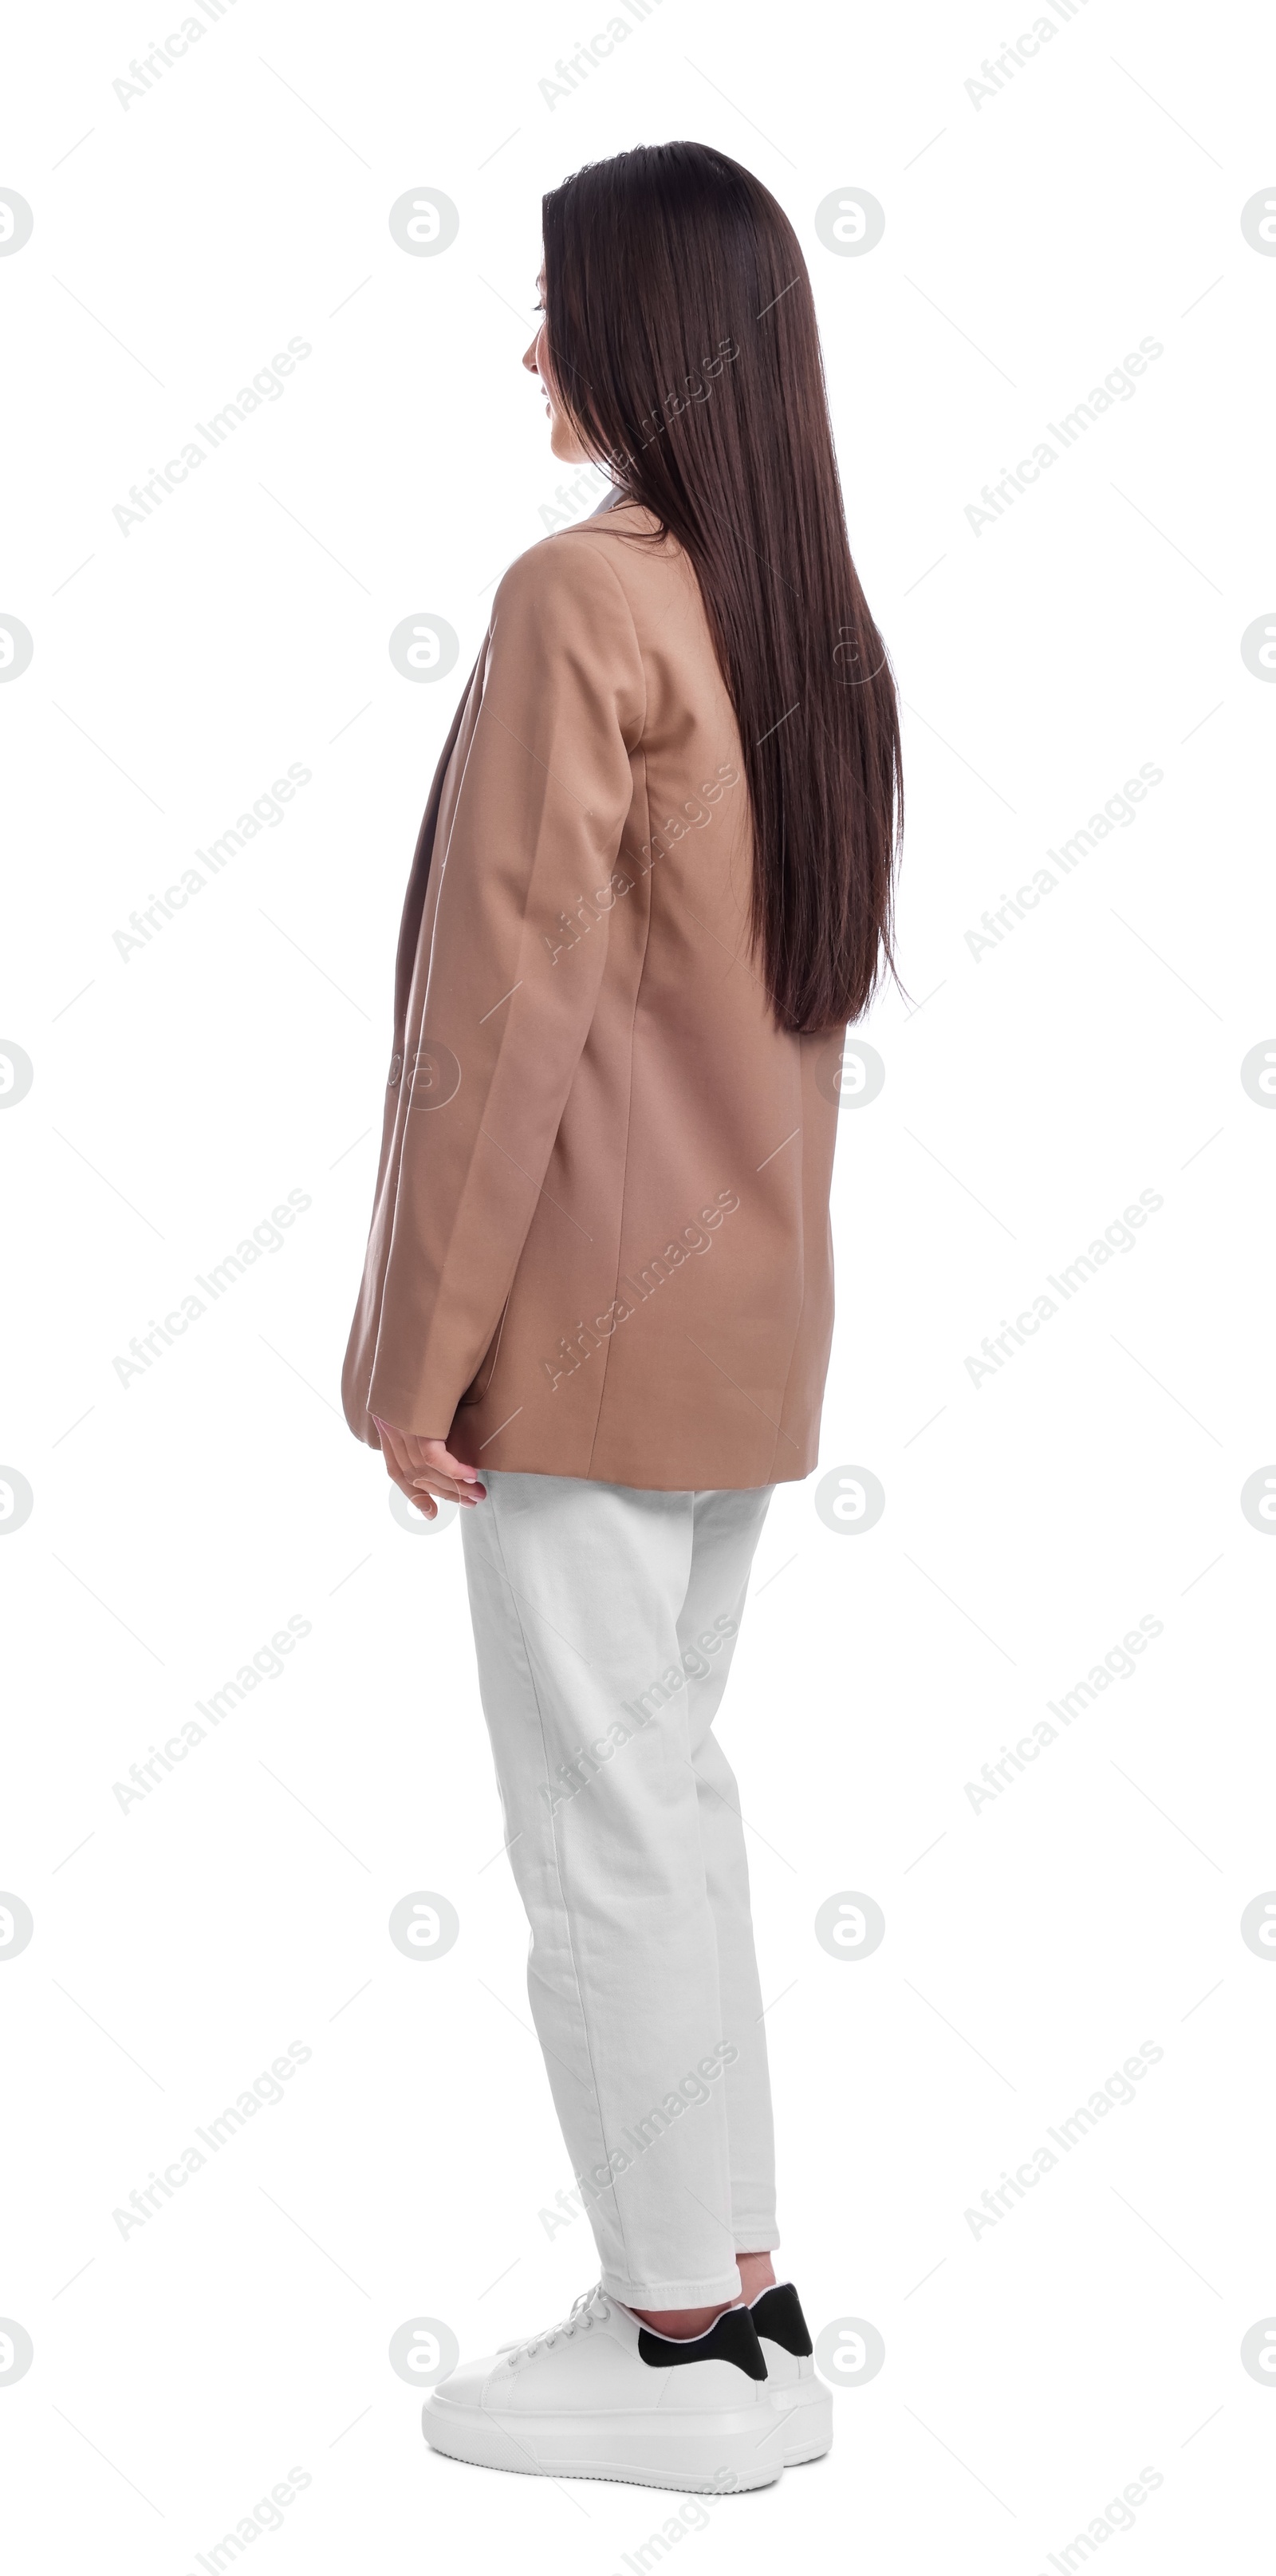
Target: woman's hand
(422,1468)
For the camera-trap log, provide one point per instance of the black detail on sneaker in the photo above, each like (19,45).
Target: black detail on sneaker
(777,2314)
(734,2338)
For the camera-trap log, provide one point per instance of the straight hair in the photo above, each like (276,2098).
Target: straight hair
(684,348)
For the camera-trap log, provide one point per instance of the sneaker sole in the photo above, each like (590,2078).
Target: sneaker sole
(808,2417)
(700,2455)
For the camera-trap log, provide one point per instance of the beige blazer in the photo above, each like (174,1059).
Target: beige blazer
(600,1241)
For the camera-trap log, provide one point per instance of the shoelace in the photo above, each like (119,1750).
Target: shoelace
(590,2308)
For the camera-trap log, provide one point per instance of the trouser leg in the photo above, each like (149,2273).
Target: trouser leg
(577,1591)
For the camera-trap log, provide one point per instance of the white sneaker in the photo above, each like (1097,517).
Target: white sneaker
(601,2396)
(803,2400)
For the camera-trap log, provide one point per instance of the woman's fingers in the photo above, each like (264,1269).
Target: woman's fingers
(424,1468)
(400,1468)
(418,1497)
(439,1458)
(430,1481)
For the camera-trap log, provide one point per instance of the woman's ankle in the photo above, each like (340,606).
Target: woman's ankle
(757,2273)
(683,2324)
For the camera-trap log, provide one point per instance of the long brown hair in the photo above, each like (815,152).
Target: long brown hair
(683,344)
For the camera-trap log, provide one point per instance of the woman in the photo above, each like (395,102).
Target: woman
(652,886)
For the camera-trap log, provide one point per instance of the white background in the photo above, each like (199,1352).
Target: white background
(1031,240)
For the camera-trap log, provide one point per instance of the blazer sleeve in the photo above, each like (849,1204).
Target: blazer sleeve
(536,825)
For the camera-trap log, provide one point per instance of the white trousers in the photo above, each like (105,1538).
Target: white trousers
(605,1620)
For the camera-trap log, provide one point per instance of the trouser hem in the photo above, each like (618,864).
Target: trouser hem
(672,2294)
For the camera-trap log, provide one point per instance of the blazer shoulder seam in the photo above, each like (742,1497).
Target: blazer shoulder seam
(557,539)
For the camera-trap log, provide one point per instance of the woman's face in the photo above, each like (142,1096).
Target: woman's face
(563,440)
